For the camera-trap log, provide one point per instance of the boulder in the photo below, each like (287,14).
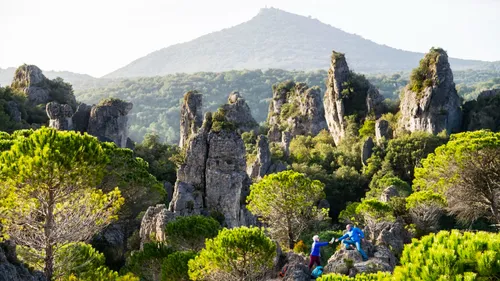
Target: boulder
(238,112)
(383,130)
(367,150)
(435,106)
(108,121)
(11,269)
(389,193)
(361,98)
(60,116)
(297,269)
(191,116)
(391,235)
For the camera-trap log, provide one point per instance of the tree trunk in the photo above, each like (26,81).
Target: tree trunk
(290,234)
(49,247)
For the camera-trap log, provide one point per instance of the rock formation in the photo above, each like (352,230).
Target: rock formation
(13,110)
(238,112)
(430,101)
(367,150)
(383,130)
(211,181)
(81,118)
(39,89)
(297,269)
(389,193)
(191,116)
(391,235)
(108,121)
(262,163)
(60,115)
(153,223)
(483,113)
(295,108)
(11,269)
(350,262)
(347,94)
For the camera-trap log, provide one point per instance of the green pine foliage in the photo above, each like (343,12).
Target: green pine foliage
(189,233)
(241,253)
(175,266)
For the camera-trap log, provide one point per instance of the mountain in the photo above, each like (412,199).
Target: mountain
(277,39)
(76,79)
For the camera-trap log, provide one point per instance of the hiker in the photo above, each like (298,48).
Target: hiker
(315,255)
(354,236)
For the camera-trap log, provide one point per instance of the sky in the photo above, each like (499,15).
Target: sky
(96,37)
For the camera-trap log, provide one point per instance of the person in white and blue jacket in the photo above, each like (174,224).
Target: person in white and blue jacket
(355,236)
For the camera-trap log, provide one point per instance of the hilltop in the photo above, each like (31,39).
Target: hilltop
(277,39)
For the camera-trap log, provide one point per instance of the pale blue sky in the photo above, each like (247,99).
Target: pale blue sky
(99,36)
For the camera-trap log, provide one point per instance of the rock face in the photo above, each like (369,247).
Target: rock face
(483,113)
(347,94)
(391,235)
(191,118)
(153,223)
(382,130)
(238,112)
(108,121)
(81,118)
(11,268)
(367,150)
(295,108)
(211,181)
(389,193)
(60,115)
(297,269)
(262,163)
(430,102)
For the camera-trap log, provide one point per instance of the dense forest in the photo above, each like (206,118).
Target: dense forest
(157,99)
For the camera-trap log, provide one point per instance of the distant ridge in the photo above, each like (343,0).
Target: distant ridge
(7,74)
(277,39)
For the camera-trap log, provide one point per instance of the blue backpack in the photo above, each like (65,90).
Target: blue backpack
(317,272)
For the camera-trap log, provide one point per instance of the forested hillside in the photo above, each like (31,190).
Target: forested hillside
(157,99)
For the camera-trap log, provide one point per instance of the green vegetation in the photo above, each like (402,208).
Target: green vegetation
(466,171)
(235,254)
(442,256)
(220,122)
(49,183)
(147,263)
(175,266)
(286,202)
(423,76)
(189,233)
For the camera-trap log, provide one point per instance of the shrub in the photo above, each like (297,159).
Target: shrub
(146,263)
(379,276)
(235,254)
(175,266)
(189,233)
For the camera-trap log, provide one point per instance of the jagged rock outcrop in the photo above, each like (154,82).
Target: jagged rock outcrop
(108,121)
(153,223)
(389,193)
(383,130)
(367,150)
(391,235)
(11,269)
(484,112)
(295,108)
(38,89)
(347,94)
(260,167)
(238,112)
(191,116)
(60,115)
(297,269)
(12,109)
(430,101)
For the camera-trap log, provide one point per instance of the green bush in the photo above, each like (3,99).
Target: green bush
(147,262)
(175,266)
(379,276)
(190,232)
(235,254)
(368,129)
(451,256)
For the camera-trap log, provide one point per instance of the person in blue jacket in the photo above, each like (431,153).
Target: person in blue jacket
(315,251)
(355,236)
